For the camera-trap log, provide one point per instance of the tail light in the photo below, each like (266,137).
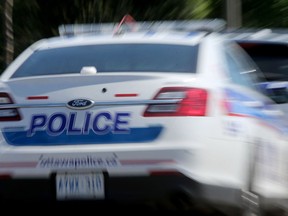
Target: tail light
(5,176)
(191,102)
(8,114)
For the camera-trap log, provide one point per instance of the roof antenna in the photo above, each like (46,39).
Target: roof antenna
(127,19)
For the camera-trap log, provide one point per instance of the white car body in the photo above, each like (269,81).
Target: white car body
(84,124)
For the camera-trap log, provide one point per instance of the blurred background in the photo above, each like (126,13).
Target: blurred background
(24,22)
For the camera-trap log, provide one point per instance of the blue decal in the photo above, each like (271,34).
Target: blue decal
(100,129)
(58,123)
(42,138)
(93,128)
(55,131)
(236,106)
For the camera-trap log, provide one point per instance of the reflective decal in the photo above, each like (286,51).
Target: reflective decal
(86,161)
(58,123)
(71,129)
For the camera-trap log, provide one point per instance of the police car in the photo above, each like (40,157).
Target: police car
(156,112)
(268,49)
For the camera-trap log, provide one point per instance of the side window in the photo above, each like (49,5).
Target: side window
(270,57)
(241,68)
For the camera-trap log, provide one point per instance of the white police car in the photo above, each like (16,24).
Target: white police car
(164,113)
(268,49)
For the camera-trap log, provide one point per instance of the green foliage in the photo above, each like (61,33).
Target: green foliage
(257,13)
(27,25)
(201,9)
(265,14)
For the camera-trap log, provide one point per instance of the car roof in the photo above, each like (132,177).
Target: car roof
(172,32)
(265,35)
(157,37)
(142,26)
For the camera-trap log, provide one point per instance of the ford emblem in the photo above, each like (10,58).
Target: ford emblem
(80,104)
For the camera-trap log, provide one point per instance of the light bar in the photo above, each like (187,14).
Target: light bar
(176,25)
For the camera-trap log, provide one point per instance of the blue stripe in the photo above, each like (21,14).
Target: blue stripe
(41,138)
(236,106)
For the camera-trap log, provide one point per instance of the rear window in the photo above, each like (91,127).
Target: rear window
(271,58)
(111,58)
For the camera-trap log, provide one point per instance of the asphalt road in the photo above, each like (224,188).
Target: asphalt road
(92,208)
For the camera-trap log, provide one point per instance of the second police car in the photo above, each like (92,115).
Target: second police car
(268,49)
(160,112)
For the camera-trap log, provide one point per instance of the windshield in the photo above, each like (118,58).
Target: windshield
(111,58)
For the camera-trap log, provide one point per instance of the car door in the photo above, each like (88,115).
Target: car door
(268,134)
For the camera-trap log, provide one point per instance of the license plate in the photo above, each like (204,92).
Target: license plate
(80,186)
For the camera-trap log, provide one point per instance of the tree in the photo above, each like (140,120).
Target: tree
(27,24)
(8,37)
(265,14)
(234,13)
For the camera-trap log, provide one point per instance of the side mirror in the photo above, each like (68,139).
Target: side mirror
(276,90)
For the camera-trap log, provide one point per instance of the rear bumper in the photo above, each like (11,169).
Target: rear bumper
(126,189)
(116,188)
